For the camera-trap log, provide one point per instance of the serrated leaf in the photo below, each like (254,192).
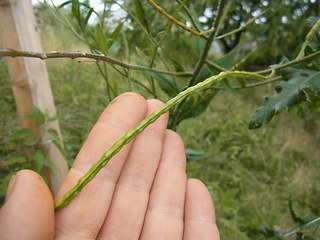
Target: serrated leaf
(167,84)
(21,134)
(288,93)
(193,155)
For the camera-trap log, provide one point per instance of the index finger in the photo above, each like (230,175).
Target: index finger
(80,219)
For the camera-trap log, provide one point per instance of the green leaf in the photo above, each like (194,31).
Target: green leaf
(198,103)
(167,84)
(204,74)
(142,56)
(114,35)
(53,132)
(37,115)
(62,5)
(15,160)
(288,93)
(38,160)
(4,183)
(140,14)
(228,60)
(198,45)
(88,16)
(193,155)
(225,84)
(177,65)
(76,10)
(101,40)
(21,134)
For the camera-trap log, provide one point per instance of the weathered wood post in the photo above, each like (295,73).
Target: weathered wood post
(29,78)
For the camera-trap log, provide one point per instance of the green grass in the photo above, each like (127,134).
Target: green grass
(250,173)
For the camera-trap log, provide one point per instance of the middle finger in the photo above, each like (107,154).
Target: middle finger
(130,200)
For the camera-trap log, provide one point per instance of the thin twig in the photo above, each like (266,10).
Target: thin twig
(309,37)
(116,147)
(215,66)
(207,47)
(238,29)
(102,58)
(252,85)
(171,18)
(193,21)
(202,59)
(288,64)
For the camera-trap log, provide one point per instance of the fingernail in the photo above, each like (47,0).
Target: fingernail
(11,186)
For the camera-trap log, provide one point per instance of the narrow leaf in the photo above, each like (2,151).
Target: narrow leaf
(228,60)
(225,84)
(114,35)
(76,9)
(140,14)
(167,84)
(193,155)
(88,16)
(101,40)
(62,5)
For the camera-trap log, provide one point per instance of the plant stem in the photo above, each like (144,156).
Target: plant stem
(215,66)
(207,47)
(115,148)
(194,23)
(202,59)
(55,54)
(288,64)
(171,18)
(309,37)
(238,29)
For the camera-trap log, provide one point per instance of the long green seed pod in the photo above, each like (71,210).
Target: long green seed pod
(115,148)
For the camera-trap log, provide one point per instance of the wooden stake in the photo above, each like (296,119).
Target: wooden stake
(29,79)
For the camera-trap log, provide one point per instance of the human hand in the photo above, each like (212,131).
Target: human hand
(143,192)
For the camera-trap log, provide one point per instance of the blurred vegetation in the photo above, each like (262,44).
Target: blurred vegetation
(251,174)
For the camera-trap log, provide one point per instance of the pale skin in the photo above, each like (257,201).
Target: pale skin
(143,192)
